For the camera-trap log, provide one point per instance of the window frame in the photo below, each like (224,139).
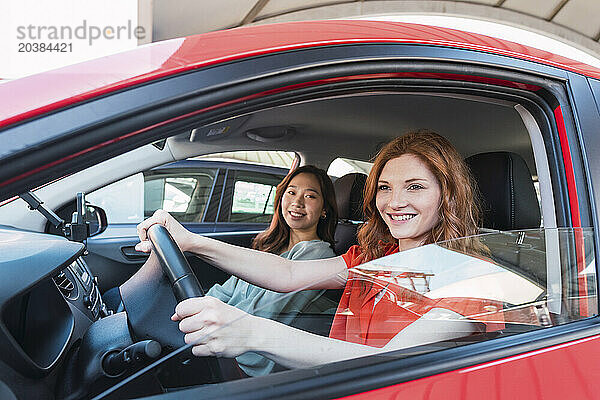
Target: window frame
(391,372)
(226,203)
(334,379)
(192,172)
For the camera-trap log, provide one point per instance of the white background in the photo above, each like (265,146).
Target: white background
(14,13)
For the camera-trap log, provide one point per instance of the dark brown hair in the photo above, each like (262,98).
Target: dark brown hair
(459,206)
(276,237)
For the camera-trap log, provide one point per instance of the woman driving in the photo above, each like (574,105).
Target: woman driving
(419,191)
(302,228)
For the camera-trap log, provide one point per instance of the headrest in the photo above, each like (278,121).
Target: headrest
(509,198)
(349,194)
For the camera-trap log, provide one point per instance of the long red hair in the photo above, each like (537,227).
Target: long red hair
(459,206)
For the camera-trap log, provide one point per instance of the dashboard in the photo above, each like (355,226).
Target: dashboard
(78,286)
(48,299)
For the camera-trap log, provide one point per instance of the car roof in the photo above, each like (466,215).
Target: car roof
(72,84)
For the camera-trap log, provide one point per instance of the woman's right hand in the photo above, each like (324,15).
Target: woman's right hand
(218,329)
(182,236)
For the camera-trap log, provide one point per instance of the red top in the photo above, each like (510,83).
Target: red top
(363,318)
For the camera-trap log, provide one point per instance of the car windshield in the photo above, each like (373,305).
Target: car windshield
(514,282)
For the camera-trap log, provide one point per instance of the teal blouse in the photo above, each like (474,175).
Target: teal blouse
(282,307)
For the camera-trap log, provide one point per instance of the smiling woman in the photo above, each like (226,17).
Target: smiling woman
(306,200)
(424,194)
(391,179)
(306,210)
(408,199)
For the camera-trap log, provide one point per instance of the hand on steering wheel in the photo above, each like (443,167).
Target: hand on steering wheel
(162,233)
(216,328)
(184,283)
(182,236)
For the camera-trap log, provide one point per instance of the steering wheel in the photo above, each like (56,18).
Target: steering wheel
(150,299)
(183,281)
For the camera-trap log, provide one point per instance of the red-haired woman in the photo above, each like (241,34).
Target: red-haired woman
(419,191)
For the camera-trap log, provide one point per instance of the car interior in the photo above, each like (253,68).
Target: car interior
(321,130)
(502,143)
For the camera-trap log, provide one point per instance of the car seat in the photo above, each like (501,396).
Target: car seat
(349,195)
(509,199)
(509,203)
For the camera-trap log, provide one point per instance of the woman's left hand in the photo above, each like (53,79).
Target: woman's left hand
(216,328)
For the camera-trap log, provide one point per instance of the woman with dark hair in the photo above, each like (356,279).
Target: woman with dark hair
(419,191)
(302,228)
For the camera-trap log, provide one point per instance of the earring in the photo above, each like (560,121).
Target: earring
(324,215)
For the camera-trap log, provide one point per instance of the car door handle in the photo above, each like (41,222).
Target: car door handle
(132,254)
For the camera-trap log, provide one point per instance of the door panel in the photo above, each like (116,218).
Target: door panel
(558,372)
(113,261)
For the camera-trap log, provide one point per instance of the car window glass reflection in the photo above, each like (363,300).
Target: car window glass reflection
(528,280)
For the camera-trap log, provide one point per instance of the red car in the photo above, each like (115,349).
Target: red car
(525,120)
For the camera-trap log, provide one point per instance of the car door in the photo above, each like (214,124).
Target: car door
(563,131)
(553,330)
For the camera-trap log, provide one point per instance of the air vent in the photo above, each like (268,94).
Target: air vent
(66,285)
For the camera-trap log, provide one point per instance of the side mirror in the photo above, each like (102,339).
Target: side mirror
(96,217)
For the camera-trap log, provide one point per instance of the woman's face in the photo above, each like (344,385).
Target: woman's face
(302,203)
(408,197)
